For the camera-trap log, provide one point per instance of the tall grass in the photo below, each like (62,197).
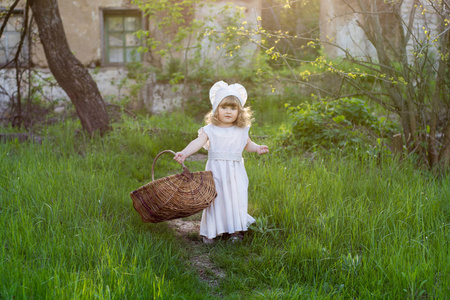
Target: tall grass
(330,227)
(349,227)
(68,227)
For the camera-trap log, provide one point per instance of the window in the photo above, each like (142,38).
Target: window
(10,40)
(120,43)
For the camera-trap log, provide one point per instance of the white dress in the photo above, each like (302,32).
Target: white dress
(228,212)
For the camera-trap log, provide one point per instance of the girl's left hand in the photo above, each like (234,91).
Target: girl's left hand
(262,149)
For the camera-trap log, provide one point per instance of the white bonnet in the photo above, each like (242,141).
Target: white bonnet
(221,90)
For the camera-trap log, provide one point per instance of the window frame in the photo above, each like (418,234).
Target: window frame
(123,12)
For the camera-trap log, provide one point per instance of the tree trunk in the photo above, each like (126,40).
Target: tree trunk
(67,69)
(440,97)
(444,155)
(404,107)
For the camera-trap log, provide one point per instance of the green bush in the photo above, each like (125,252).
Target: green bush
(337,124)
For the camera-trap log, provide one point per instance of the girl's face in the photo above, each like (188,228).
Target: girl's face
(227,114)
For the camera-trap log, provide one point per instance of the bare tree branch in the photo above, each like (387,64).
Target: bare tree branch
(8,15)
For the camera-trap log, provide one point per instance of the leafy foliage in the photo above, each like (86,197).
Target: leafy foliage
(292,18)
(405,69)
(337,124)
(184,47)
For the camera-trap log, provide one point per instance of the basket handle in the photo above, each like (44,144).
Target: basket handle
(185,170)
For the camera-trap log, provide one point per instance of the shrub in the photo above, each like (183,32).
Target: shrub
(337,124)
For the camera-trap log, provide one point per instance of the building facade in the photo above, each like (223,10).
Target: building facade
(101,34)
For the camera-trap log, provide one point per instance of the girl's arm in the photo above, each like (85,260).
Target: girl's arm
(253,147)
(193,147)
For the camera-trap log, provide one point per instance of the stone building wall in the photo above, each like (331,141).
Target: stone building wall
(83,24)
(338,21)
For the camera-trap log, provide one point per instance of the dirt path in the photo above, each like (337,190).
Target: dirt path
(188,230)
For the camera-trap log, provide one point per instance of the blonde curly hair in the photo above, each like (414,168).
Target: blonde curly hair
(244,118)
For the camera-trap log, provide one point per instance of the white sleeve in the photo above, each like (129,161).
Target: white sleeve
(205,130)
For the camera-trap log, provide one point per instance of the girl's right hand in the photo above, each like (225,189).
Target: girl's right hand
(180,157)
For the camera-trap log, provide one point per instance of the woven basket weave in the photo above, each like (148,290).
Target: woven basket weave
(176,196)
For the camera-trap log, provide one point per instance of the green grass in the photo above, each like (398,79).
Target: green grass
(352,227)
(330,227)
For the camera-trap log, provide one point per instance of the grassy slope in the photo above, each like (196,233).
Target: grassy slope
(334,227)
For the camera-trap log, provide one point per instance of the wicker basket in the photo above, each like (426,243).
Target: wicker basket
(175,196)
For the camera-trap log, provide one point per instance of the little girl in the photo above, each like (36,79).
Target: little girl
(225,137)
